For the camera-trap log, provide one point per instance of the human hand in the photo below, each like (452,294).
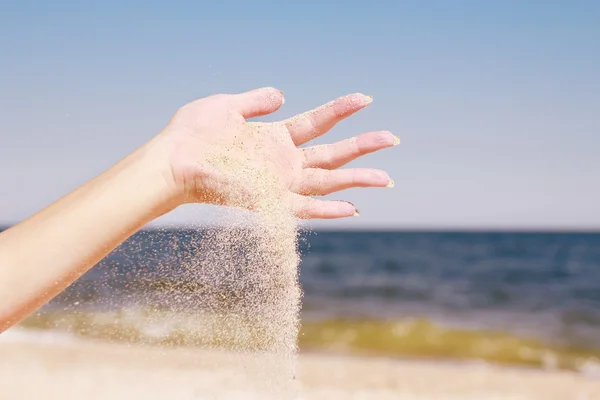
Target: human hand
(216,156)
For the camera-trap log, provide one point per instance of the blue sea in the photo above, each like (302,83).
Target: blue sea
(512,298)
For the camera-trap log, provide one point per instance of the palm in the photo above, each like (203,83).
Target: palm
(244,159)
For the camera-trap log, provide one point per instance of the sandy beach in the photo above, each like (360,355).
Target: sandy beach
(78,369)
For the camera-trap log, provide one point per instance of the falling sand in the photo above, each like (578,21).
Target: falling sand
(247,270)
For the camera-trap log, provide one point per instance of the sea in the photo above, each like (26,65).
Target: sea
(528,299)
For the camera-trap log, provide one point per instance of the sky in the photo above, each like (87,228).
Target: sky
(497,103)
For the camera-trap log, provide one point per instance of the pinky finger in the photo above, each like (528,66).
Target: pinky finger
(308,208)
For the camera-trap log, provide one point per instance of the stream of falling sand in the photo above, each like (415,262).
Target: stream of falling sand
(252,288)
(249,273)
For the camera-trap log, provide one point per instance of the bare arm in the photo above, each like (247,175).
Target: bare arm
(44,254)
(41,256)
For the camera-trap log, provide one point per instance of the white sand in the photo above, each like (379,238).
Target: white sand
(90,370)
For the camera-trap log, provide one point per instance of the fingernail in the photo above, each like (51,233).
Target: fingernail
(356,212)
(370,98)
(396,140)
(282,97)
(390,183)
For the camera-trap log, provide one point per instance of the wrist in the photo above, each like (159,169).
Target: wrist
(151,176)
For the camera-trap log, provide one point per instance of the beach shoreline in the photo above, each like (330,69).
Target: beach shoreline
(60,368)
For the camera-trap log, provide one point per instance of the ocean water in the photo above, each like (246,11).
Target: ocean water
(516,298)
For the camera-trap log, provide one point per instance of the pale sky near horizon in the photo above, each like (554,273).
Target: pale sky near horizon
(497,103)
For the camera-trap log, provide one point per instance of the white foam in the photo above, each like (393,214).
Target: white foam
(590,369)
(20,335)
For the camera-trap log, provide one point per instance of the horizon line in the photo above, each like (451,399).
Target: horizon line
(399,229)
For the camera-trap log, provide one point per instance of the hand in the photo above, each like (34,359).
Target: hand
(216,156)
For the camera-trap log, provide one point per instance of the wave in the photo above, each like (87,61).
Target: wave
(409,337)
(422,338)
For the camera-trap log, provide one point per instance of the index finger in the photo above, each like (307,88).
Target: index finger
(309,125)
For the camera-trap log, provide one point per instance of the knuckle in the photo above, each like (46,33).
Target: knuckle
(311,122)
(305,208)
(355,145)
(328,155)
(355,177)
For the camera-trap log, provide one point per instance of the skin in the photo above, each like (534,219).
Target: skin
(44,254)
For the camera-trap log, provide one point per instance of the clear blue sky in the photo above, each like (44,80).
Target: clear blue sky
(497,103)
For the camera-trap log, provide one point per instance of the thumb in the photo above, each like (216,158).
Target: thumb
(258,102)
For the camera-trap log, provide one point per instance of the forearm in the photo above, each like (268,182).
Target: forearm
(44,254)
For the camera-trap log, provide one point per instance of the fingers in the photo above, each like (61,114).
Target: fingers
(309,208)
(332,156)
(258,102)
(321,182)
(314,123)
